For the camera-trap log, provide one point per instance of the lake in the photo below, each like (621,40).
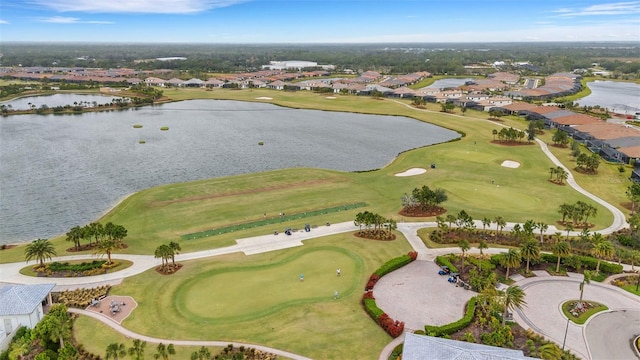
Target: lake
(58,100)
(59,171)
(619,97)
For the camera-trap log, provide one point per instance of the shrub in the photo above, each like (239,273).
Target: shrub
(142,142)
(393,264)
(444,261)
(373,279)
(413,255)
(164,128)
(372,309)
(486,264)
(137,126)
(451,328)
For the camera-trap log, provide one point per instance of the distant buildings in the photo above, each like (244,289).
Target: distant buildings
(295,65)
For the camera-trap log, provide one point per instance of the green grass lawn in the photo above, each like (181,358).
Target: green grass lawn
(632,289)
(259,298)
(95,337)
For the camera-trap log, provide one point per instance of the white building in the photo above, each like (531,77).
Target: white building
(21,305)
(295,64)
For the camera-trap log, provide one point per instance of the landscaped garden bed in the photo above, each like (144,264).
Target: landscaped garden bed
(77,268)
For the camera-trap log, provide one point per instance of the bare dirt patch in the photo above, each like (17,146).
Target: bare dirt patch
(418,212)
(169,269)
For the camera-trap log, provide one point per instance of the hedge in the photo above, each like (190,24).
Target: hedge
(444,261)
(588,262)
(393,264)
(486,264)
(451,328)
(65,266)
(372,309)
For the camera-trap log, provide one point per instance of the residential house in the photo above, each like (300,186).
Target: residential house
(422,347)
(21,305)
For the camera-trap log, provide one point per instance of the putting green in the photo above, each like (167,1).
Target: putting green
(252,292)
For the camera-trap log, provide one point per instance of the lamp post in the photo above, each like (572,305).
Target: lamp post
(566,329)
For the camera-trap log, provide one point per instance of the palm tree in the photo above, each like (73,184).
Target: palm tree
(542,227)
(202,354)
(569,228)
(602,250)
(510,259)
(175,250)
(585,280)
(163,252)
(95,230)
(116,351)
(485,223)
(74,235)
(464,246)
(482,245)
(39,249)
(513,299)
(500,224)
(107,246)
(550,351)
(530,250)
(561,250)
(163,351)
(136,351)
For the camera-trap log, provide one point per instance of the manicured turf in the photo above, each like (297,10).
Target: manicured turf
(259,298)
(95,337)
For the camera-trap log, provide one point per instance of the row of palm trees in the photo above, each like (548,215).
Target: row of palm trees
(558,174)
(165,252)
(579,213)
(108,238)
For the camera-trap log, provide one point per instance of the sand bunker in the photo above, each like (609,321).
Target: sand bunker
(264,98)
(330,97)
(511,164)
(412,172)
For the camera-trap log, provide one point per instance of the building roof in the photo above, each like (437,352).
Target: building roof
(631,151)
(607,131)
(421,347)
(576,119)
(517,106)
(22,299)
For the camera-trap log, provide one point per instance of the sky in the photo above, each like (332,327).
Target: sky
(314,21)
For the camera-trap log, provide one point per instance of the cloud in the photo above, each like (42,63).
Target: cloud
(4,22)
(619,8)
(70,20)
(136,6)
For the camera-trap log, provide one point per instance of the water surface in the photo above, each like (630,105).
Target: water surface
(58,171)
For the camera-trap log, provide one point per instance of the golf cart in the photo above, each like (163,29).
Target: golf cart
(453,278)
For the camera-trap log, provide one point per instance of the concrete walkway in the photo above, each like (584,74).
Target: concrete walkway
(133,335)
